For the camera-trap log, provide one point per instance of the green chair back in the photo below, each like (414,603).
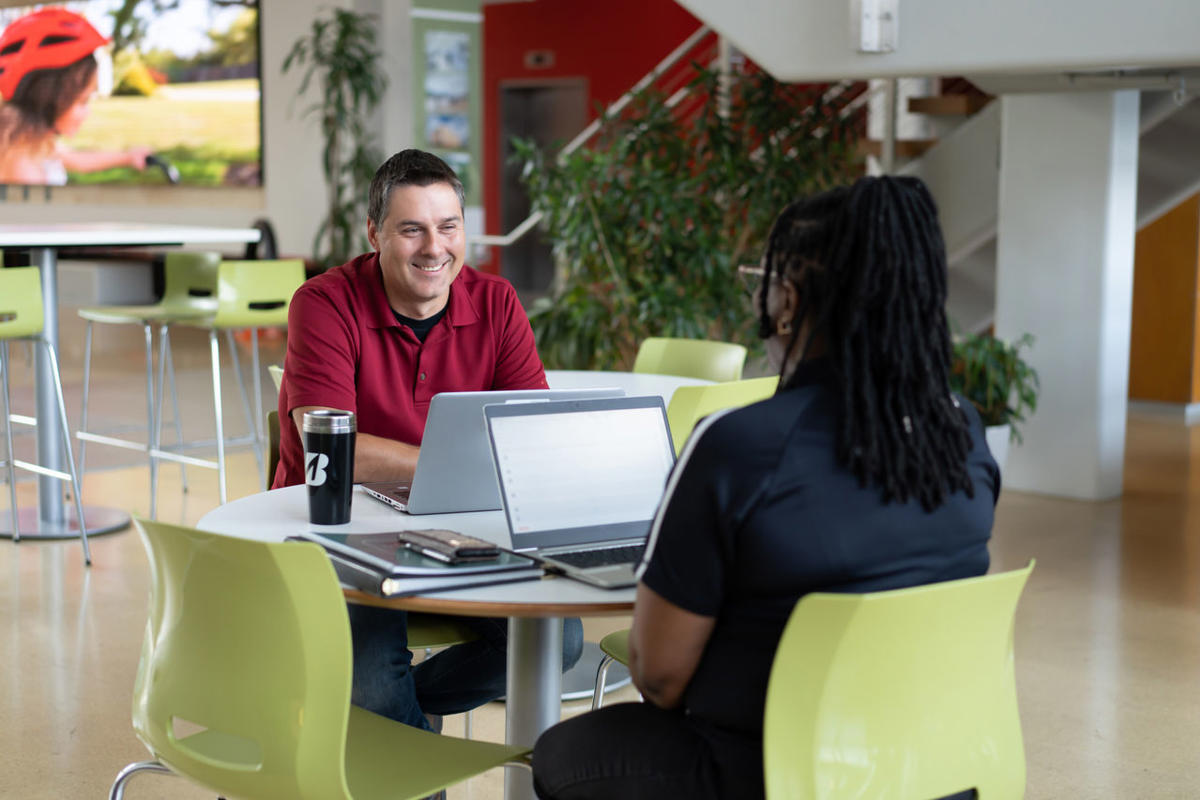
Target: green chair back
(247,643)
(256,294)
(244,681)
(905,694)
(690,404)
(189,282)
(20,302)
(691,358)
(276,373)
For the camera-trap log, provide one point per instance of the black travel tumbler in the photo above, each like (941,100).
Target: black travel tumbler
(329,465)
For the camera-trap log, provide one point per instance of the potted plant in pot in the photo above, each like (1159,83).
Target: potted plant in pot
(991,374)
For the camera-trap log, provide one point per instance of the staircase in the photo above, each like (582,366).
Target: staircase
(962,172)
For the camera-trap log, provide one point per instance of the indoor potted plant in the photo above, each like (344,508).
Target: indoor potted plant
(340,56)
(990,373)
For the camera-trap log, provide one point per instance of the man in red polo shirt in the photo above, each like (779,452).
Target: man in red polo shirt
(380,336)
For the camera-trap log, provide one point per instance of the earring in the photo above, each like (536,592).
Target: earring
(784,327)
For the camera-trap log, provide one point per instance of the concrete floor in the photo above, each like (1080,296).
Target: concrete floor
(1107,634)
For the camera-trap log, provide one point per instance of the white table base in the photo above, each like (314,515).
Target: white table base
(534,689)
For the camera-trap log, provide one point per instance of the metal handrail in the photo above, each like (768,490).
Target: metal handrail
(594,127)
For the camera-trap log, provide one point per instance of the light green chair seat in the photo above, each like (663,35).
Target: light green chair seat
(904,693)
(189,292)
(276,373)
(690,404)
(249,642)
(253,295)
(691,358)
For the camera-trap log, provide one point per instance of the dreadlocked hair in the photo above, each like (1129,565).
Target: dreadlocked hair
(869,266)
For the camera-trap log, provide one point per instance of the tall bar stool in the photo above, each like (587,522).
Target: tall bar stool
(250,294)
(21,318)
(189,293)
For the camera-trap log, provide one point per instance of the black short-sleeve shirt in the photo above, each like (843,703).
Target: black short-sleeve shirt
(758,513)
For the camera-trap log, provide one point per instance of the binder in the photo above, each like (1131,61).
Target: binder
(378,564)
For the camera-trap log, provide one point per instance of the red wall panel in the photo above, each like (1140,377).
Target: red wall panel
(610,44)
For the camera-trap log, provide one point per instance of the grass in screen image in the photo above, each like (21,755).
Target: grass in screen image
(208,130)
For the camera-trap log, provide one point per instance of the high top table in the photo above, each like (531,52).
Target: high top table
(50,519)
(534,608)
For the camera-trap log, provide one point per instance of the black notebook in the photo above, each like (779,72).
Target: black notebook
(379,564)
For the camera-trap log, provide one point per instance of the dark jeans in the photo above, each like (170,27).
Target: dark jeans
(637,750)
(455,680)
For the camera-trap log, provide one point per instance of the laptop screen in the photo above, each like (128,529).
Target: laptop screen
(581,471)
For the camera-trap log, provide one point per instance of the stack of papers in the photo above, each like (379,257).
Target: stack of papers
(379,564)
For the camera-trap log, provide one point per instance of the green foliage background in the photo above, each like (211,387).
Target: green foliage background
(649,224)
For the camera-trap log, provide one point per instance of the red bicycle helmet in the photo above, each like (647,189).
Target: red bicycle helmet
(46,39)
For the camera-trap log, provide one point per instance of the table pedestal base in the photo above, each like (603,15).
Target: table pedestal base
(99,521)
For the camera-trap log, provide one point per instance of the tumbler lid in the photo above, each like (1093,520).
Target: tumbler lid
(328,420)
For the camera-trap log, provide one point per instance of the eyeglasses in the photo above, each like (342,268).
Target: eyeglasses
(751,276)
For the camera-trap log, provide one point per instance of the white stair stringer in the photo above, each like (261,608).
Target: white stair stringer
(962,172)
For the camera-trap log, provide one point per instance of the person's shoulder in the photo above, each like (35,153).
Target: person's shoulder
(481,283)
(341,283)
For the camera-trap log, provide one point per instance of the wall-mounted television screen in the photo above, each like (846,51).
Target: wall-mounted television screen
(130,92)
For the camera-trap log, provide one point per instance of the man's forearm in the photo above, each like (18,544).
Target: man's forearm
(380,459)
(375,458)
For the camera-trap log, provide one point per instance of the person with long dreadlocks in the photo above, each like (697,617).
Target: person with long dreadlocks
(862,473)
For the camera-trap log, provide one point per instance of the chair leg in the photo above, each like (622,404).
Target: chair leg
(601,680)
(87,381)
(117,792)
(11,469)
(66,433)
(152,412)
(215,347)
(250,421)
(165,348)
(259,436)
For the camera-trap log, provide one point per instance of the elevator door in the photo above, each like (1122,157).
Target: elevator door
(550,114)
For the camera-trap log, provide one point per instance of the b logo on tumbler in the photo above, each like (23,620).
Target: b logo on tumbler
(314,468)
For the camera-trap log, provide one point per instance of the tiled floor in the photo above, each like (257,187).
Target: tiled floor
(1107,635)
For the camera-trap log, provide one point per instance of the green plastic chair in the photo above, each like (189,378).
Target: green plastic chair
(189,292)
(276,373)
(21,317)
(690,404)
(253,295)
(616,648)
(425,631)
(907,694)
(244,681)
(691,358)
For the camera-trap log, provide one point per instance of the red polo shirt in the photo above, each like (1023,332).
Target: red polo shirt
(346,350)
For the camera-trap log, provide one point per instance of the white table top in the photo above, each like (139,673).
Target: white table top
(635,384)
(275,515)
(97,234)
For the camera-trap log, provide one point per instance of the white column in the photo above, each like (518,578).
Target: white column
(1064,272)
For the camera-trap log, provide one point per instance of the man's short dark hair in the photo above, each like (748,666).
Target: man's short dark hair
(408,168)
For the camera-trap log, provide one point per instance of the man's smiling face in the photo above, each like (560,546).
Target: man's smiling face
(421,244)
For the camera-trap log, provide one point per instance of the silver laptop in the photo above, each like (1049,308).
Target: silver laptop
(581,481)
(454,469)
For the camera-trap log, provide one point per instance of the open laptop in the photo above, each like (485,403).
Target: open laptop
(581,481)
(454,469)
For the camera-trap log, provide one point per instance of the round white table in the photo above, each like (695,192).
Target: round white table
(535,608)
(635,384)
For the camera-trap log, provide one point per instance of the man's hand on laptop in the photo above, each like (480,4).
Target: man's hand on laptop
(375,458)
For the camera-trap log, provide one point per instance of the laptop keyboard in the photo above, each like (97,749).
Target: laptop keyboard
(628,554)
